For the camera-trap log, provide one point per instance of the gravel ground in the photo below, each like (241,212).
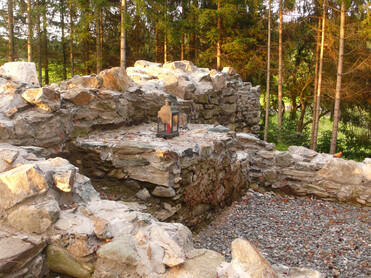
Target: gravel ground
(329,237)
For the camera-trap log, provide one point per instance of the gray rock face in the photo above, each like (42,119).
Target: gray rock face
(20,255)
(21,71)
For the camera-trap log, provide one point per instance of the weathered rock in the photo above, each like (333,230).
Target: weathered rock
(19,254)
(341,171)
(82,82)
(229,70)
(61,261)
(35,218)
(283,159)
(122,250)
(145,64)
(20,183)
(78,97)
(218,81)
(44,98)
(161,191)
(143,194)
(246,262)
(115,79)
(10,100)
(219,128)
(174,254)
(186,66)
(199,263)
(62,172)
(21,71)
(130,256)
(302,151)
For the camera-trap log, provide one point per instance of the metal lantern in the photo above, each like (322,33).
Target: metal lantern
(167,121)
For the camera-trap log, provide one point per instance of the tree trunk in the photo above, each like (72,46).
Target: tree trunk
(294,108)
(29,32)
(303,104)
(318,102)
(338,81)
(165,35)
(101,35)
(123,35)
(39,44)
(280,69)
(302,114)
(315,81)
(218,44)
(63,41)
(11,49)
(157,43)
(182,38)
(268,74)
(71,41)
(46,54)
(98,45)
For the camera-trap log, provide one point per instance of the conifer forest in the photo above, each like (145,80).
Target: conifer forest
(312,58)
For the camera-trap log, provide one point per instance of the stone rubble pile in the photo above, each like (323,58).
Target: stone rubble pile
(52,219)
(206,96)
(51,116)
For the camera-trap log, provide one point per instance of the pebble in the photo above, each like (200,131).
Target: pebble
(297,232)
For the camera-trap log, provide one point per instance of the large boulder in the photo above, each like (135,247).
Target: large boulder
(61,261)
(35,218)
(10,100)
(342,171)
(199,263)
(21,71)
(115,79)
(20,183)
(44,98)
(246,262)
(79,97)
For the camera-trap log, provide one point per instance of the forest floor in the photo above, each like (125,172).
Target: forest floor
(329,237)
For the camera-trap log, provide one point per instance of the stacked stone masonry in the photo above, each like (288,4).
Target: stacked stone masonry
(52,218)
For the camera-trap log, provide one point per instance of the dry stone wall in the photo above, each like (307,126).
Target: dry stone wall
(305,172)
(208,167)
(205,96)
(53,115)
(52,219)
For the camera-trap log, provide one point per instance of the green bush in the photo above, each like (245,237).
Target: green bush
(287,136)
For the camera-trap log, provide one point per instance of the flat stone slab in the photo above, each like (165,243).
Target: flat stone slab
(141,139)
(146,158)
(16,250)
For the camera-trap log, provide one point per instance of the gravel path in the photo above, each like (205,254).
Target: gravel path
(329,237)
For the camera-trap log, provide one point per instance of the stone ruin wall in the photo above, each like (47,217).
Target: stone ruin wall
(50,116)
(203,169)
(207,167)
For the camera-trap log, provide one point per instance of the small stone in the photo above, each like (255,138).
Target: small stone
(219,128)
(143,194)
(161,191)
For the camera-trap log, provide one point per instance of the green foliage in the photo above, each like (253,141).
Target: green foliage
(287,135)
(324,142)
